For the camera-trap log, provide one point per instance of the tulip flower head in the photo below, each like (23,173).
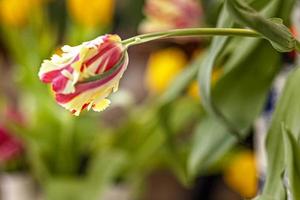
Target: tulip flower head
(164,15)
(85,75)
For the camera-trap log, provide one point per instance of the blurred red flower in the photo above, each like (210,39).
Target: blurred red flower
(10,146)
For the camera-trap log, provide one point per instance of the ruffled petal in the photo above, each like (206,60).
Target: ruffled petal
(101,105)
(70,73)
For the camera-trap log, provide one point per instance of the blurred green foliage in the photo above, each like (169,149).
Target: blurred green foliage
(78,158)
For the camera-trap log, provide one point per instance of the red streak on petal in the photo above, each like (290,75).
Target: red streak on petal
(82,67)
(101,52)
(113,59)
(85,106)
(101,49)
(48,77)
(59,83)
(82,87)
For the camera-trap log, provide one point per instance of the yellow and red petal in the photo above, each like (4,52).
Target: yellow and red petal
(72,75)
(90,94)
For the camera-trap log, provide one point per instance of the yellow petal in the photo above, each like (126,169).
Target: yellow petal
(101,105)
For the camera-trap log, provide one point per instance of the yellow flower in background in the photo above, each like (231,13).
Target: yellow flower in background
(16,12)
(163,66)
(241,174)
(217,73)
(194,90)
(91,13)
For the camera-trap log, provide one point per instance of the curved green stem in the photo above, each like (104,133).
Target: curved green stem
(190,32)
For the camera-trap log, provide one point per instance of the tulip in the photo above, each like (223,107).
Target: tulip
(164,15)
(85,75)
(10,147)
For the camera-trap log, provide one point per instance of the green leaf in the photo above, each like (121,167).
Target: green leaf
(288,113)
(204,77)
(292,154)
(241,99)
(210,141)
(103,170)
(174,117)
(217,47)
(236,108)
(286,8)
(278,34)
(146,139)
(105,167)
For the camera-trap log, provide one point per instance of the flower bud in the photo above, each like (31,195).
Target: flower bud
(85,75)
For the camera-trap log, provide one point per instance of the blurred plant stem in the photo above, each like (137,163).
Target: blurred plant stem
(175,156)
(190,32)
